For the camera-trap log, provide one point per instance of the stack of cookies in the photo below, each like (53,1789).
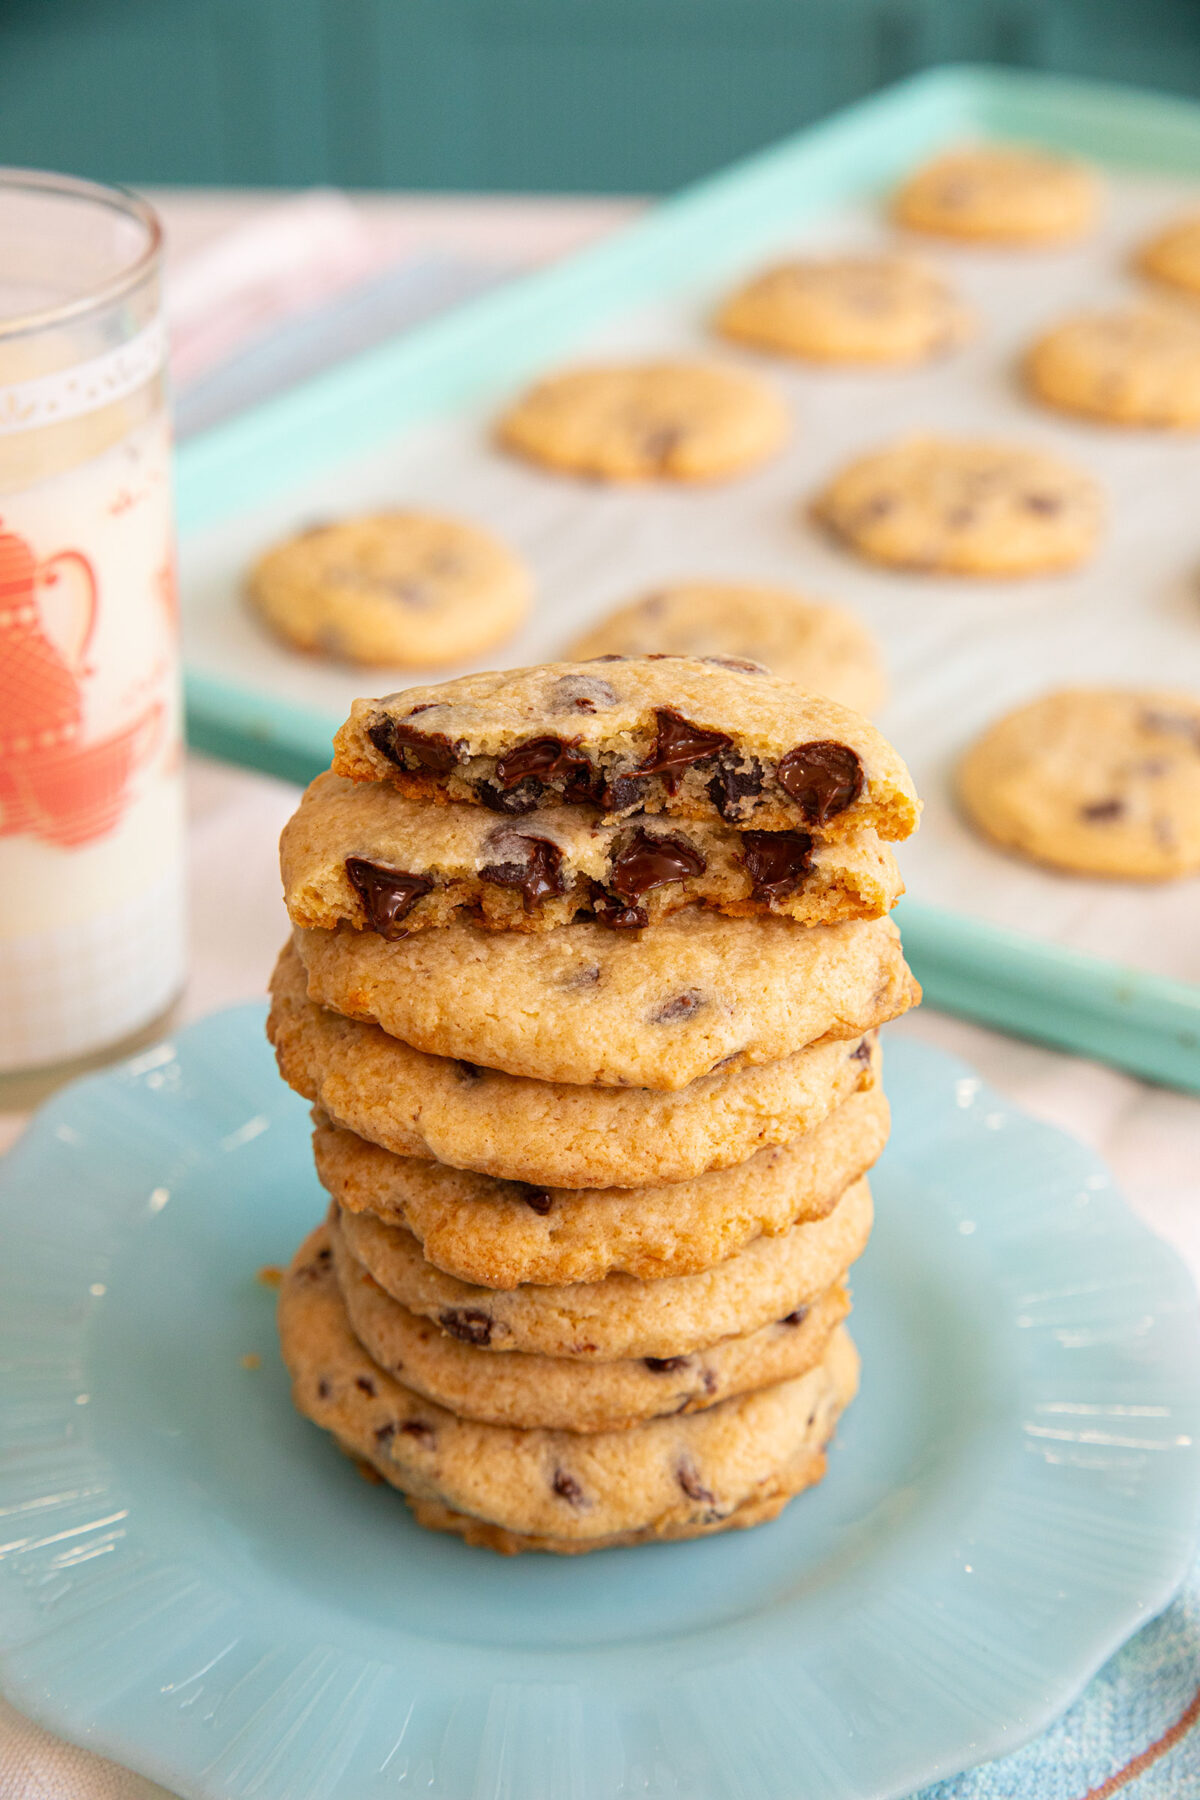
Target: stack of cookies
(586,972)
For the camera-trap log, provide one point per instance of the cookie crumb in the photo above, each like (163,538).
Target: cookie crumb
(269,1276)
(251,1360)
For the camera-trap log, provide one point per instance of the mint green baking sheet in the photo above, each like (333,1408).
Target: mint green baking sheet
(1017,979)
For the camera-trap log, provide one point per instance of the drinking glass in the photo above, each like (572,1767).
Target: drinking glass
(91,810)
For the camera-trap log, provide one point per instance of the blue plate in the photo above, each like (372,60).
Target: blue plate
(195,1582)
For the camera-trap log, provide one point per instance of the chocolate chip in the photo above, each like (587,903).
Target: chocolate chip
(960,516)
(1099,812)
(580,693)
(536,878)
(516,802)
(662,441)
(547,758)
(567,1488)
(743,664)
(430,750)
(823,778)
(424,1433)
(1045,504)
(470,1324)
(384,1435)
(325,1256)
(681,1006)
(688,1477)
(622,791)
(1175,724)
(876,508)
(536,1198)
(470,1071)
(648,862)
(732,784)
(710,1381)
(678,744)
(665,1365)
(324,1389)
(586,976)
(613,912)
(366,1384)
(795,1318)
(388,895)
(776,861)
(861,1052)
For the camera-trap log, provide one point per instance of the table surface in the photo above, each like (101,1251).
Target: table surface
(1149,1136)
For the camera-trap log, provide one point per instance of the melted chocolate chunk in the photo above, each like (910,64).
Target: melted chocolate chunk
(649,862)
(823,778)
(467,1323)
(567,1488)
(388,895)
(688,1477)
(745,665)
(795,1318)
(537,878)
(384,1435)
(516,802)
(677,745)
(665,1365)
(423,1432)
(470,1071)
(587,975)
(731,785)
(546,759)
(611,911)
(1102,812)
(682,1006)
(366,1384)
(536,1198)
(581,693)
(776,861)
(404,746)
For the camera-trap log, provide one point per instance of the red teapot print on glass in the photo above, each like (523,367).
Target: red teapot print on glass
(52,784)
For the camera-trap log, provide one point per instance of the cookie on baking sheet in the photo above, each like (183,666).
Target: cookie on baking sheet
(867,308)
(1098,781)
(1138,365)
(821,648)
(999,194)
(548,1132)
(567,1393)
(621,1316)
(358,853)
(651,421)
(961,506)
(655,1009)
(735,1463)
(693,737)
(1173,255)
(401,589)
(501,1233)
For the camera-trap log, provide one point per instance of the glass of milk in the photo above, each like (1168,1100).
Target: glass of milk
(91,815)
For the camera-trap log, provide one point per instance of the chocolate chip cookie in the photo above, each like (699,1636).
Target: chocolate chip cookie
(358,853)
(499,1234)
(821,648)
(1098,781)
(654,421)
(1172,256)
(568,1393)
(735,1463)
(869,308)
(999,194)
(1134,366)
(622,1317)
(956,506)
(694,738)
(548,1132)
(658,1009)
(404,589)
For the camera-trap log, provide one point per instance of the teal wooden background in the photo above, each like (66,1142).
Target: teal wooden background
(506,94)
